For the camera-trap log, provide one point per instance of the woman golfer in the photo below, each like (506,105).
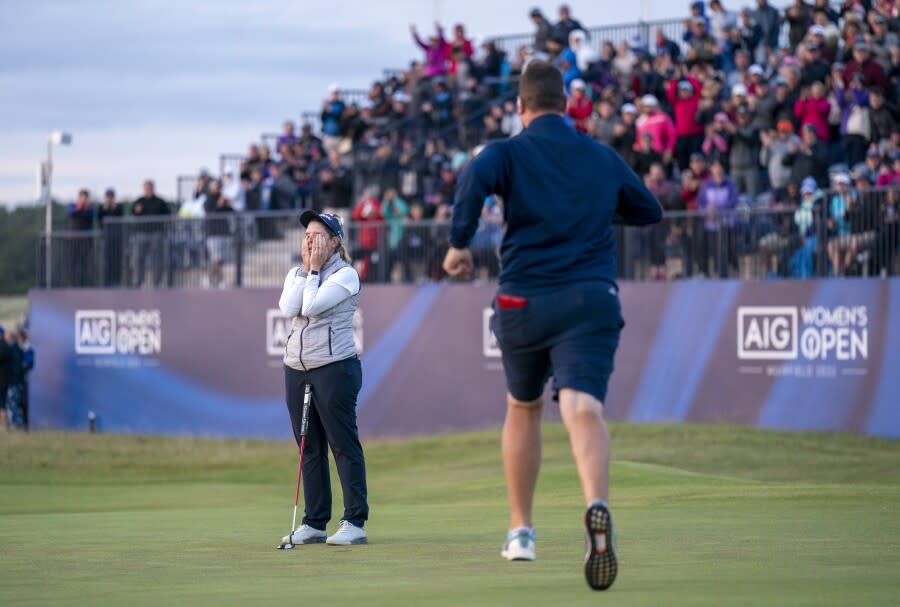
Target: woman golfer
(321,297)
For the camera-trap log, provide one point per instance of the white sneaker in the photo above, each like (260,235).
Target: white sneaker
(304,534)
(348,534)
(519,545)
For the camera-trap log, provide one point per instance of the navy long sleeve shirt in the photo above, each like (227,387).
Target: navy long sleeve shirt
(561,191)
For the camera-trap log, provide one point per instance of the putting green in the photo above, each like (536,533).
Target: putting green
(706,515)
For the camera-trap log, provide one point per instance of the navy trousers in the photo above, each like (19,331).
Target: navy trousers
(332,423)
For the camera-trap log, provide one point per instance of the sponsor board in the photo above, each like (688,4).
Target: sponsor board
(807,341)
(110,338)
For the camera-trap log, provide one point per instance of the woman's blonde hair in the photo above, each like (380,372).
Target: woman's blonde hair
(342,251)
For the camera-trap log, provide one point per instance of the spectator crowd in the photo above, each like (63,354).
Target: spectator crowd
(16,362)
(787,117)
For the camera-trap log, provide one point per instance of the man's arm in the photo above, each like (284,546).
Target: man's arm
(482,178)
(636,205)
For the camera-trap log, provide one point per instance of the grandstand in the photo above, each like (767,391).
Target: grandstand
(796,106)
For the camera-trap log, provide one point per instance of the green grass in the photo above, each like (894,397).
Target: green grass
(12,307)
(706,516)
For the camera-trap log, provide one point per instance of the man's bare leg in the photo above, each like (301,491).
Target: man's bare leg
(583,416)
(521,457)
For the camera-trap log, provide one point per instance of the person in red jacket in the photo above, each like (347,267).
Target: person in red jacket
(579,107)
(368,210)
(459,47)
(813,108)
(870,70)
(684,95)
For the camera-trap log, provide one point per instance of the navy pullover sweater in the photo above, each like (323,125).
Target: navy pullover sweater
(561,191)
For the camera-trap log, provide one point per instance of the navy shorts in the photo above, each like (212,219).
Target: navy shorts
(570,333)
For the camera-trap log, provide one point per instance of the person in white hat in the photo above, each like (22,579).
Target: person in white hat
(825,32)
(842,209)
(737,91)
(625,133)
(578,106)
(659,126)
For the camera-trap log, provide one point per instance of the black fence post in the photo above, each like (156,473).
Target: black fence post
(168,258)
(99,251)
(821,269)
(239,252)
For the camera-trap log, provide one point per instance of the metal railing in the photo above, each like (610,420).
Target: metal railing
(832,235)
(228,162)
(314,119)
(236,250)
(185,186)
(615,33)
(829,234)
(354,96)
(270,140)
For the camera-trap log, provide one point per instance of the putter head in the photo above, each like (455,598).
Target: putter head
(287,546)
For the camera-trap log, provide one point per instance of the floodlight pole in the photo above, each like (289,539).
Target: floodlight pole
(48,217)
(61,138)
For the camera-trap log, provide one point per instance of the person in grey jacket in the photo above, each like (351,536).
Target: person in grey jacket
(322,296)
(744,156)
(769,21)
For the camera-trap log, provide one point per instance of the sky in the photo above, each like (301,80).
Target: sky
(157,88)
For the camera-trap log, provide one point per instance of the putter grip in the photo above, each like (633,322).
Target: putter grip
(304,421)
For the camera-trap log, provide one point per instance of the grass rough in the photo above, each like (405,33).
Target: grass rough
(706,515)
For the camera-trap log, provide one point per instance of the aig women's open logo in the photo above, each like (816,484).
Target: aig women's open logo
(811,334)
(136,332)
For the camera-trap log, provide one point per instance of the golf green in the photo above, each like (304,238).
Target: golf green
(706,515)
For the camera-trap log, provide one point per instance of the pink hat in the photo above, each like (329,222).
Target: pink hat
(721,117)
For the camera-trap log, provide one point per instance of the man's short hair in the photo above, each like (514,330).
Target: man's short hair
(541,88)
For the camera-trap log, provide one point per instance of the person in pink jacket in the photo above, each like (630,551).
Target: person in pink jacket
(684,95)
(659,126)
(813,108)
(436,51)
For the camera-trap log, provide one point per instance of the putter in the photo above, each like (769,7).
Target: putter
(304,423)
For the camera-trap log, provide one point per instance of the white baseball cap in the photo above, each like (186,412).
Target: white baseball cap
(578,83)
(629,108)
(649,100)
(817,30)
(756,69)
(739,89)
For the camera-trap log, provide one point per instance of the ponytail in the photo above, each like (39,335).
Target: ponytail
(342,251)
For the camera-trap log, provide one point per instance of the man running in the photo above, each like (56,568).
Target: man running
(557,308)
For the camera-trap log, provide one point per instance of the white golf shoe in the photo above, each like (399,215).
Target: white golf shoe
(348,534)
(304,534)
(519,545)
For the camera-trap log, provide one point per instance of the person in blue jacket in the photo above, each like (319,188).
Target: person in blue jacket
(557,309)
